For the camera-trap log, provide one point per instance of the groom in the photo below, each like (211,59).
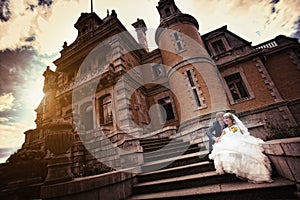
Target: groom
(215,130)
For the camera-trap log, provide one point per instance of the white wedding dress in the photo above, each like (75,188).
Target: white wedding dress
(241,154)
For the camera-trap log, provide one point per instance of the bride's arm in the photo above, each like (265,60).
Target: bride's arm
(223,133)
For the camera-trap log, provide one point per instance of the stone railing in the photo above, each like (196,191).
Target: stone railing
(285,156)
(267,45)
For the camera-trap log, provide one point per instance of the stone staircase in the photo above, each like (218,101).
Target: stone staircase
(175,170)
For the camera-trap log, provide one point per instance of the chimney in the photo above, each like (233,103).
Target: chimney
(141,28)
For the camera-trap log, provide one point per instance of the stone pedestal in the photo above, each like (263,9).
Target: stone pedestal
(59,140)
(59,170)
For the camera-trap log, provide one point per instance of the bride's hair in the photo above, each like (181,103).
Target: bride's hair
(238,122)
(230,116)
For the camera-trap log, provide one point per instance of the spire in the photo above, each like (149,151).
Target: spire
(92,6)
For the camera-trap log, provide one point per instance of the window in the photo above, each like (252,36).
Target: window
(178,41)
(168,12)
(167,113)
(237,87)
(218,46)
(105,110)
(176,36)
(194,88)
(179,46)
(157,71)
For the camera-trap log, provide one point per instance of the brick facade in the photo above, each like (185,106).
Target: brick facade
(189,76)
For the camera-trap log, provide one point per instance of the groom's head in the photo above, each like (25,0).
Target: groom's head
(219,116)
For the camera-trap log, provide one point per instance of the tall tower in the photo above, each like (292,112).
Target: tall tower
(188,62)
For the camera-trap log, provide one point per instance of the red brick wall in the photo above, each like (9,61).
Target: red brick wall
(285,75)
(262,95)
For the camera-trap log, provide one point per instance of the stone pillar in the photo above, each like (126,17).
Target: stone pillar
(123,102)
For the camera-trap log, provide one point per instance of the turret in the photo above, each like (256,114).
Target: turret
(192,74)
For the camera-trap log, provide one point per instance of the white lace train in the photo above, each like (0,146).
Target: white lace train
(243,156)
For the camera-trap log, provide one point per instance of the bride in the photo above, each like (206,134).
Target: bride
(239,153)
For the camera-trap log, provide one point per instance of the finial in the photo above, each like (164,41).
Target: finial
(65,44)
(113,13)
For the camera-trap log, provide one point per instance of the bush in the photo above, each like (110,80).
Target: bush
(26,155)
(279,130)
(92,169)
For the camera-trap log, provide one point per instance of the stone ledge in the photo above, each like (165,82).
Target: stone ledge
(287,146)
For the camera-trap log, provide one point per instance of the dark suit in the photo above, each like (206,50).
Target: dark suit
(215,130)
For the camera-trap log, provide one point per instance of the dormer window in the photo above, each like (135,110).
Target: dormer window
(218,46)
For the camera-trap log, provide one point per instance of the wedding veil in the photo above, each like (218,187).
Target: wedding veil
(239,124)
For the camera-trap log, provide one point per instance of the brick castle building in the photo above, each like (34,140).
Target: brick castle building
(114,91)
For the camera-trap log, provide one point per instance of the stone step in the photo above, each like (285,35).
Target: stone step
(174,161)
(176,171)
(169,153)
(180,182)
(280,189)
(170,148)
(152,140)
(162,145)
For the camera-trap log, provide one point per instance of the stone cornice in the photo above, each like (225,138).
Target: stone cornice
(191,60)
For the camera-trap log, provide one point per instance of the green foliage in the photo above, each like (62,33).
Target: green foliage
(280,130)
(26,155)
(92,169)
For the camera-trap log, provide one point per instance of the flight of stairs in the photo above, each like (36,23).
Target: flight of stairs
(175,170)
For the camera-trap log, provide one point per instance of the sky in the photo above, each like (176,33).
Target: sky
(32,33)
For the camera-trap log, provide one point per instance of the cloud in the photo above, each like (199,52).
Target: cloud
(12,133)
(29,22)
(39,24)
(6,101)
(5,153)
(296,34)
(3,119)
(256,21)
(21,86)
